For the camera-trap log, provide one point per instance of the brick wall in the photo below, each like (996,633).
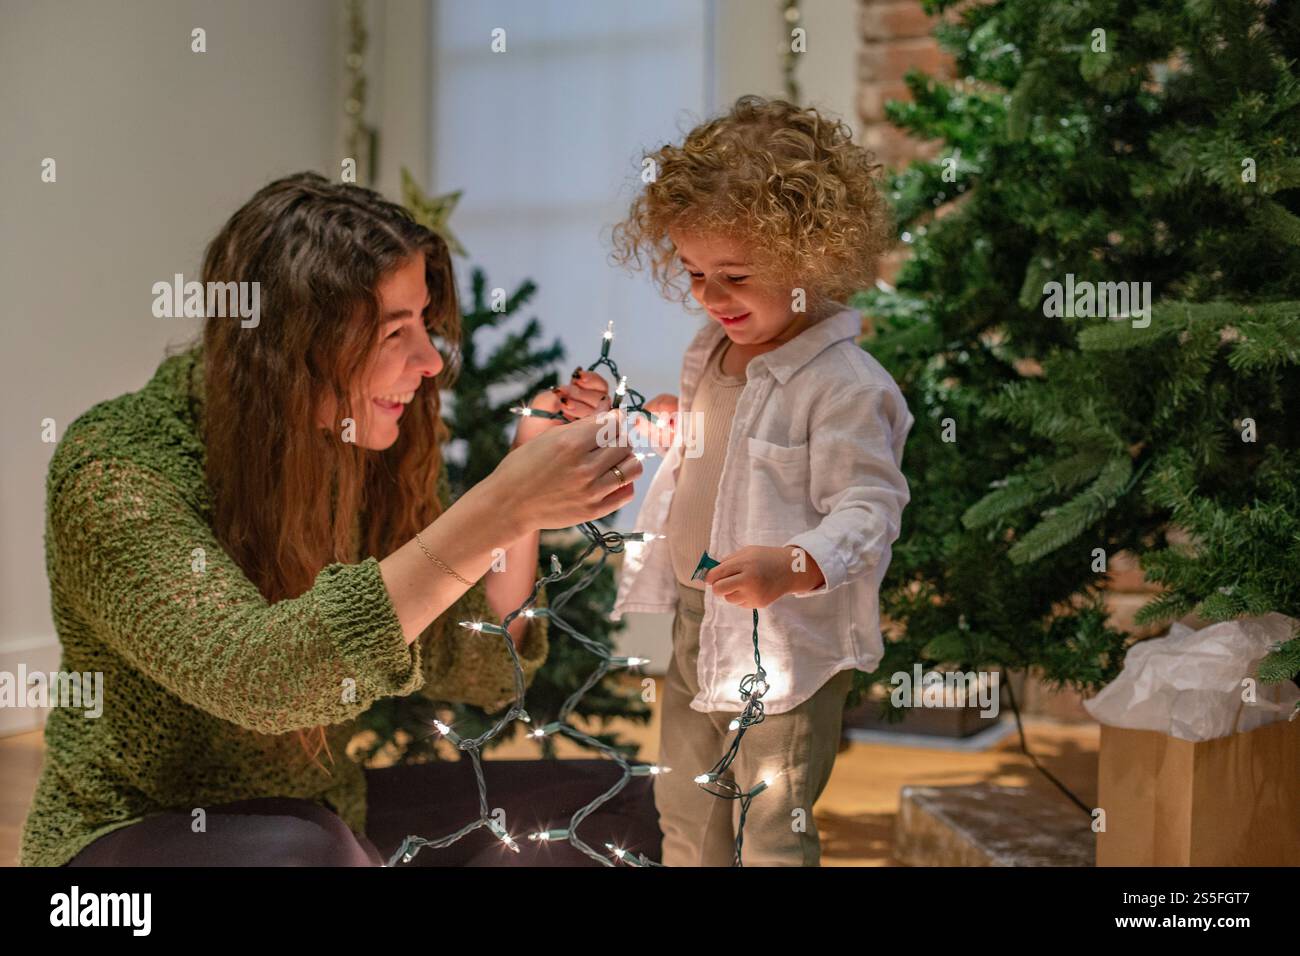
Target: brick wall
(895,38)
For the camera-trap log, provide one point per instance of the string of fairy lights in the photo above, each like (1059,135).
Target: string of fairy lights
(717,780)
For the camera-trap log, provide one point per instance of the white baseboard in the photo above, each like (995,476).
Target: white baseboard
(36,654)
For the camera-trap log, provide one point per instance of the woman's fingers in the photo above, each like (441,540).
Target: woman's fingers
(621,490)
(588,396)
(579,402)
(630,468)
(592,381)
(613,448)
(548,401)
(582,455)
(617,499)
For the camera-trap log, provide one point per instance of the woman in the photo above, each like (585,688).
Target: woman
(250,550)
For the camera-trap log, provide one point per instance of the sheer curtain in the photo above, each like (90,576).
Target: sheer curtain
(545,139)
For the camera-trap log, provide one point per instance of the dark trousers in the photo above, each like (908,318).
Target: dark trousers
(429,800)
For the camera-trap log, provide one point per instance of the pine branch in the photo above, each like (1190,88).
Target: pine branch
(1277,222)
(1069,521)
(1282,663)
(1024,490)
(1269,342)
(1163,607)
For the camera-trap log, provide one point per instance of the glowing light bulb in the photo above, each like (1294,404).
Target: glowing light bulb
(545,836)
(547,729)
(502,835)
(447,732)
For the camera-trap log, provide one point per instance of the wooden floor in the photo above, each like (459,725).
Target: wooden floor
(855,815)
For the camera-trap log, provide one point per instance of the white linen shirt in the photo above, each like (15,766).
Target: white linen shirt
(813,460)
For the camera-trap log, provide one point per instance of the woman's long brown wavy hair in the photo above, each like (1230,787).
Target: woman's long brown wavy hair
(289,496)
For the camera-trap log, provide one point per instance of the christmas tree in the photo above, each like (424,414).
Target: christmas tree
(1097,330)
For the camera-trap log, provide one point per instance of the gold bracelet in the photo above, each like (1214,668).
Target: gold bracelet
(437,560)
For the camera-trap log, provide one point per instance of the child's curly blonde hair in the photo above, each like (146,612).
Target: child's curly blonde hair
(787,181)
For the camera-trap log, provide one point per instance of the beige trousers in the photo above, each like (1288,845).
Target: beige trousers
(798,746)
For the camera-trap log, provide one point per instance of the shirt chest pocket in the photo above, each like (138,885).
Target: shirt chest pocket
(778,486)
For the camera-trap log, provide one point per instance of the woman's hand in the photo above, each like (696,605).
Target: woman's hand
(565,475)
(562,477)
(755,576)
(586,395)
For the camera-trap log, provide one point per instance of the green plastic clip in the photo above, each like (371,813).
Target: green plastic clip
(703,567)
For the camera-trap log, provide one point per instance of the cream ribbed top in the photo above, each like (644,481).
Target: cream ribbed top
(690,514)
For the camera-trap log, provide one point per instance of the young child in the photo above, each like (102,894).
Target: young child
(792,475)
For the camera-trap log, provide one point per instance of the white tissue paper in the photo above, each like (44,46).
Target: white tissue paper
(1189,683)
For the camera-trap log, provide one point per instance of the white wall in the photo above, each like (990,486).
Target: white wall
(155,147)
(749,41)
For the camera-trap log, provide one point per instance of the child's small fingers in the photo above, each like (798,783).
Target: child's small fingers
(719,573)
(734,597)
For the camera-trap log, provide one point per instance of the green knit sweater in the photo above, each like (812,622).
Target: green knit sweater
(204,681)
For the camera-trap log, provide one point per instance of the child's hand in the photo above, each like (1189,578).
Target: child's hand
(755,576)
(661,431)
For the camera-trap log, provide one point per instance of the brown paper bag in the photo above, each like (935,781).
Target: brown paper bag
(1231,801)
